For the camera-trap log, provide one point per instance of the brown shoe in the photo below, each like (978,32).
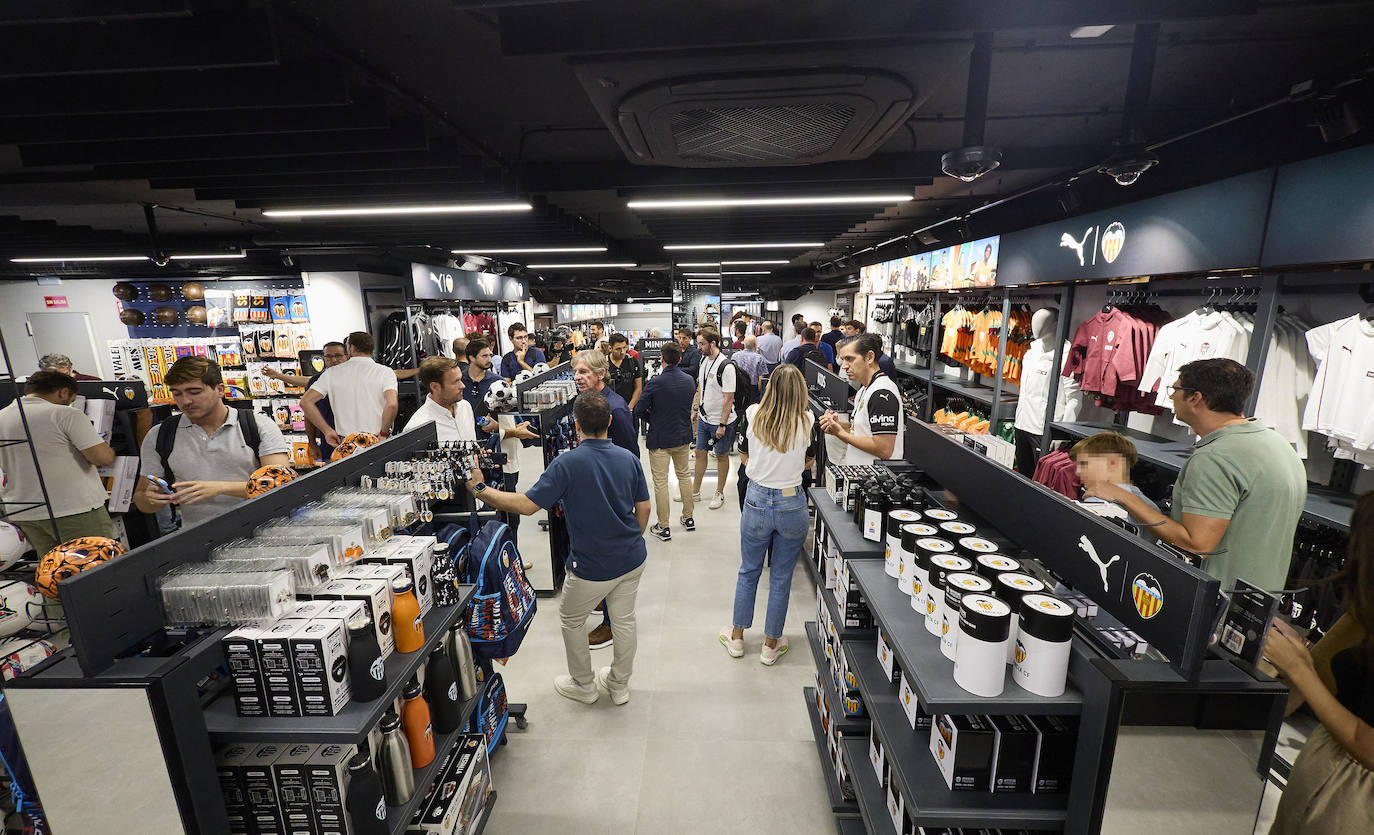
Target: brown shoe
(600,637)
(600,607)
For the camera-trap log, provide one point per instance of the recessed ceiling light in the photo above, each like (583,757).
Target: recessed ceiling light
(358,211)
(725,202)
(57,259)
(1091,31)
(680,247)
(208,256)
(560,249)
(699,264)
(751,263)
(747,272)
(701,275)
(580,266)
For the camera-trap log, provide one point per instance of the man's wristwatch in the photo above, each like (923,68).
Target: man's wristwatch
(481,485)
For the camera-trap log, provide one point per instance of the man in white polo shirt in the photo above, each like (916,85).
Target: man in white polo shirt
(444,407)
(878,422)
(362,393)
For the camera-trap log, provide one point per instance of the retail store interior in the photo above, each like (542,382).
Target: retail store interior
(347,349)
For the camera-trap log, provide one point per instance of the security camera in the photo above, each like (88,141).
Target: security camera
(968,164)
(1128,163)
(161,259)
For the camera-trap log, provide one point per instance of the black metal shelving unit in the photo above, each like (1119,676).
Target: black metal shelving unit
(872,803)
(846,724)
(832,786)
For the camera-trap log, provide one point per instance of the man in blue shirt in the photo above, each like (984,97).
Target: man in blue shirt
(523,356)
(770,344)
(809,348)
(606,502)
(477,380)
(750,361)
(691,357)
(834,335)
(666,403)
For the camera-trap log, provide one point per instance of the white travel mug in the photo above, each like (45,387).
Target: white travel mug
(956,586)
(893,552)
(941,566)
(1043,641)
(1011,587)
(915,570)
(983,625)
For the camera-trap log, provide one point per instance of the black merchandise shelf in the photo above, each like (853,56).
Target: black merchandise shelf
(847,724)
(928,801)
(1329,507)
(832,785)
(978,394)
(850,825)
(929,671)
(357,718)
(845,633)
(841,528)
(398,817)
(872,803)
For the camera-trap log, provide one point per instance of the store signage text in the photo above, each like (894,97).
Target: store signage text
(431,282)
(54,301)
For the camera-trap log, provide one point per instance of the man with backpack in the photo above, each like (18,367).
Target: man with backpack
(205,454)
(606,503)
(811,348)
(719,386)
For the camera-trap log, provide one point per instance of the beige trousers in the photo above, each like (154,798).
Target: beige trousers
(658,465)
(579,598)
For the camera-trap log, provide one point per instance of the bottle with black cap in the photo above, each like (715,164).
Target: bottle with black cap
(445,577)
(874,512)
(1044,638)
(366,804)
(441,691)
(366,669)
(941,566)
(983,625)
(1011,587)
(896,518)
(398,775)
(957,585)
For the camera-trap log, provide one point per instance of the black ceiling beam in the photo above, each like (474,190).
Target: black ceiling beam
(300,85)
(471,174)
(582,28)
(239,36)
(406,134)
(21,12)
(367,111)
(439,155)
(352,195)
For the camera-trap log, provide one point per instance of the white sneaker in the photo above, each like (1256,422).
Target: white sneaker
(569,689)
(717,501)
(677,495)
(769,656)
(619,694)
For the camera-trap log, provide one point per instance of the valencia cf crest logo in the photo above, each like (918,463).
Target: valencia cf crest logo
(1020,652)
(1113,239)
(1147,594)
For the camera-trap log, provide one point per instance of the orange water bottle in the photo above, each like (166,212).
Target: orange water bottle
(419,730)
(405,616)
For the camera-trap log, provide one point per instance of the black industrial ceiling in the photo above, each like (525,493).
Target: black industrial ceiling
(199,115)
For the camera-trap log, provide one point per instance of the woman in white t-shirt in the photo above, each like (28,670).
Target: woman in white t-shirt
(776,443)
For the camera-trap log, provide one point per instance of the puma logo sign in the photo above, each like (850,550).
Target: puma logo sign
(1092,555)
(1077,246)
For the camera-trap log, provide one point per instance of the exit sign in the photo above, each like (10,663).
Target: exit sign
(54,301)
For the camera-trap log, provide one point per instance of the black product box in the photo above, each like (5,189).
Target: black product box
(417,819)
(1054,753)
(319,651)
(278,669)
(962,746)
(229,763)
(260,788)
(245,673)
(1013,753)
(327,775)
(293,789)
(461,794)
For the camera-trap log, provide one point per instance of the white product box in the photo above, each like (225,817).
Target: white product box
(320,653)
(278,671)
(895,807)
(376,597)
(417,555)
(245,672)
(875,756)
(327,775)
(293,789)
(885,657)
(119,479)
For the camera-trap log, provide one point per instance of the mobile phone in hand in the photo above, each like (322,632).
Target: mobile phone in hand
(159,483)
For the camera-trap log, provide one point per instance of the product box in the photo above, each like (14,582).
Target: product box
(309,609)
(915,714)
(417,555)
(293,789)
(445,762)
(119,478)
(245,672)
(376,597)
(895,807)
(326,774)
(1054,753)
(875,756)
(319,651)
(260,787)
(461,794)
(230,761)
(1013,753)
(962,746)
(278,669)
(887,660)
(340,610)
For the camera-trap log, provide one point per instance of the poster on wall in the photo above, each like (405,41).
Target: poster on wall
(955,267)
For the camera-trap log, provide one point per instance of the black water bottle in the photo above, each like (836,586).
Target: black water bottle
(366,670)
(445,577)
(441,691)
(366,805)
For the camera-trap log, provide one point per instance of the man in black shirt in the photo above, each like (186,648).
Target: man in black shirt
(627,375)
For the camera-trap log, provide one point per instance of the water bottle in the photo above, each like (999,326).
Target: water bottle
(445,576)
(366,669)
(366,804)
(464,665)
(419,727)
(398,777)
(441,691)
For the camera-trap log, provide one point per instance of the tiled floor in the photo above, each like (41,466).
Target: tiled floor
(707,744)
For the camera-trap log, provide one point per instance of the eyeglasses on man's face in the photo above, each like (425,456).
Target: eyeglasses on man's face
(1176,389)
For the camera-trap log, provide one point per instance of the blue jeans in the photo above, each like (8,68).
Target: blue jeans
(770,520)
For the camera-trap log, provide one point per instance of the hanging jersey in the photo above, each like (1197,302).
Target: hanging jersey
(877,411)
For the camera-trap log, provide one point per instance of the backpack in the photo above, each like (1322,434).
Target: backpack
(504,604)
(493,711)
(746,393)
(167,438)
(811,352)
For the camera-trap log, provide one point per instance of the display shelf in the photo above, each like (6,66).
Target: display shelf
(840,525)
(398,817)
(872,804)
(837,617)
(357,718)
(928,801)
(1329,508)
(930,672)
(846,724)
(850,825)
(953,385)
(832,785)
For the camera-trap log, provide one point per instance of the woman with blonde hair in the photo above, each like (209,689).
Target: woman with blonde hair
(776,445)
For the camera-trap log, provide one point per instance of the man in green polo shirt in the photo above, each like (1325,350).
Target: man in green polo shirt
(1239,497)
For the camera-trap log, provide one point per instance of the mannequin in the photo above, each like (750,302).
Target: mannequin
(1036,367)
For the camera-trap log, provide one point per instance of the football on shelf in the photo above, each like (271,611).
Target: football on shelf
(267,478)
(13,545)
(19,601)
(501,396)
(353,443)
(72,558)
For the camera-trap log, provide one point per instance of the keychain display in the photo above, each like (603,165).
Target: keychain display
(223,595)
(311,565)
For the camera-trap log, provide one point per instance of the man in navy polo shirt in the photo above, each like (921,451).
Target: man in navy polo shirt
(667,405)
(606,502)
